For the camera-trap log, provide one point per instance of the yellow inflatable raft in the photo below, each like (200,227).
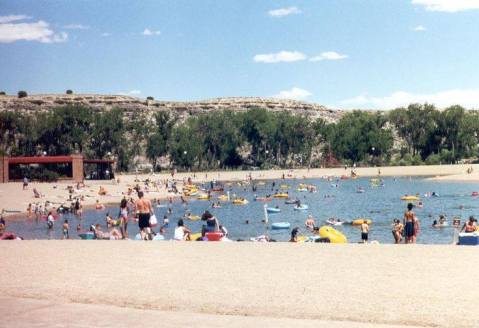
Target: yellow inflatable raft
(282,195)
(195,236)
(203,197)
(223,198)
(193,217)
(334,235)
(409,197)
(302,239)
(360,221)
(240,202)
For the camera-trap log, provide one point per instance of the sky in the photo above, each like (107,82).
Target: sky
(340,53)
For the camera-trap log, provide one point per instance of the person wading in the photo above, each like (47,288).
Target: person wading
(144,210)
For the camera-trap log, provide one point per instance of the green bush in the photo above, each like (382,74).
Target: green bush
(69,92)
(433,159)
(447,157)
(22,94)
(2,93)
(150,98)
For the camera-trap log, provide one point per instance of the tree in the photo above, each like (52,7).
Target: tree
(22,94)
(360,136)
(157,144)
(150,98)
(69,92)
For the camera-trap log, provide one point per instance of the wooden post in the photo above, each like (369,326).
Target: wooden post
(77,168)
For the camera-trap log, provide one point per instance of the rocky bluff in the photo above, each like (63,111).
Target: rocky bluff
(37,103)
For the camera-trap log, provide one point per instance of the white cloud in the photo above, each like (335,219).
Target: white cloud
(105,34)
(295,93)
(328,55)
(280,12)
(282,56)
(149,32)
(130,93)
(12,18)
(450,6)
(419,28)
(39,31)
(468,98)
(76,27)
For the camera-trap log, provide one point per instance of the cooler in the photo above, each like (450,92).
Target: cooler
(470,239)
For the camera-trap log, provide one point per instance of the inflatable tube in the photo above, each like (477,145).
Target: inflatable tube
(333,235)
(263,199)
(360,221)
(280,225)
(273,210)
(409,198)
(193,217)
(284,186)
(302,207)
(291,201)
(8,236)
(223,198)
(475,193)
(302,189)
(195,236)
(87,235)
(214,236)
(240,202)
(203,197)
(334,223)
(282,195)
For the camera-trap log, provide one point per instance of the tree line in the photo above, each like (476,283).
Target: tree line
(417,134)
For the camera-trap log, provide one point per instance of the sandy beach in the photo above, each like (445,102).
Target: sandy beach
(15,200)
(277,284)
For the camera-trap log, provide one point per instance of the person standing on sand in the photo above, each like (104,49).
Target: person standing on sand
(364,231)
(25,183)
(143,210)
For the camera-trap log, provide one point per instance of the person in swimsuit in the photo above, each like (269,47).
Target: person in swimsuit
(294,235)
(182,232)
(397,231)
(469,226)
(309,223)
(364,231)
(124,211)
(144,210)
(66,227)
(410,224)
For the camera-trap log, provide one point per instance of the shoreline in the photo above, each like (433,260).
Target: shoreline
(56,192)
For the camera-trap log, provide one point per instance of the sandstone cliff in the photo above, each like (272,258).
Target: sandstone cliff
(34,103)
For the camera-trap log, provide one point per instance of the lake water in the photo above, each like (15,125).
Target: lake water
(381,204)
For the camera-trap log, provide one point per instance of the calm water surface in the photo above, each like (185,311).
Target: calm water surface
(381,204)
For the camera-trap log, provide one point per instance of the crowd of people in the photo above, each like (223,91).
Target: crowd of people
(136,207)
